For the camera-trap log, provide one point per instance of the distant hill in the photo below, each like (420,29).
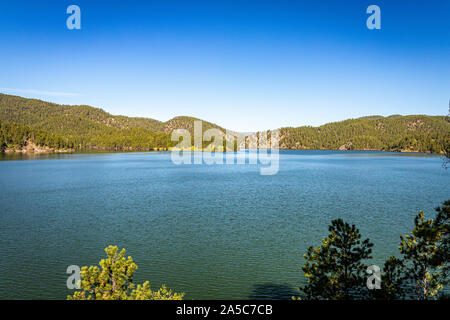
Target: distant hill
(29,121)
(65,119)
(413,133)
(85,127)
(371,117)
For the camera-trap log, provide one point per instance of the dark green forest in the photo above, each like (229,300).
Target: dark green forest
(14,136)
(83,127)
(418,133)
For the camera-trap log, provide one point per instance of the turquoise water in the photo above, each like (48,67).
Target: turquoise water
(214,232)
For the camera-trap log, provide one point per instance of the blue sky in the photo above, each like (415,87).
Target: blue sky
(246,65)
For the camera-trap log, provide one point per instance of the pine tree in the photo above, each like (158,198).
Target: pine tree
(424,255)
(114,281)
(335,269)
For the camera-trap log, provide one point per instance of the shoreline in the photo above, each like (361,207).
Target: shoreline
(37,152)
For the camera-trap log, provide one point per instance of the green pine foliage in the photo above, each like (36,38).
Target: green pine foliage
(114,281)
(392,286)
(335,270)
(423,270)
(426,253)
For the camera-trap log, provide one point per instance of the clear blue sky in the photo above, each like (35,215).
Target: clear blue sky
(246,65)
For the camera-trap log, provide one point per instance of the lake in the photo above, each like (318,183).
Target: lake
(211,231)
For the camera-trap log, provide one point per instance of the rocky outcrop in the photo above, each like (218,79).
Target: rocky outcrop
(346,146)
(31,147)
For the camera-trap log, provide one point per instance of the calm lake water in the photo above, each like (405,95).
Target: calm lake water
(212,231)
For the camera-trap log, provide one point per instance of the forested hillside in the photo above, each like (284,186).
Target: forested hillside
(85,127)
(16,137)
(418,133)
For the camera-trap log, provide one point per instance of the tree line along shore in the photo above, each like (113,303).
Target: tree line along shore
(30,125)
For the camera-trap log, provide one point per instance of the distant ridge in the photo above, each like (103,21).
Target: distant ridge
(412,133)
(24,121)
(86,127)
(371,117)
(63,119)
